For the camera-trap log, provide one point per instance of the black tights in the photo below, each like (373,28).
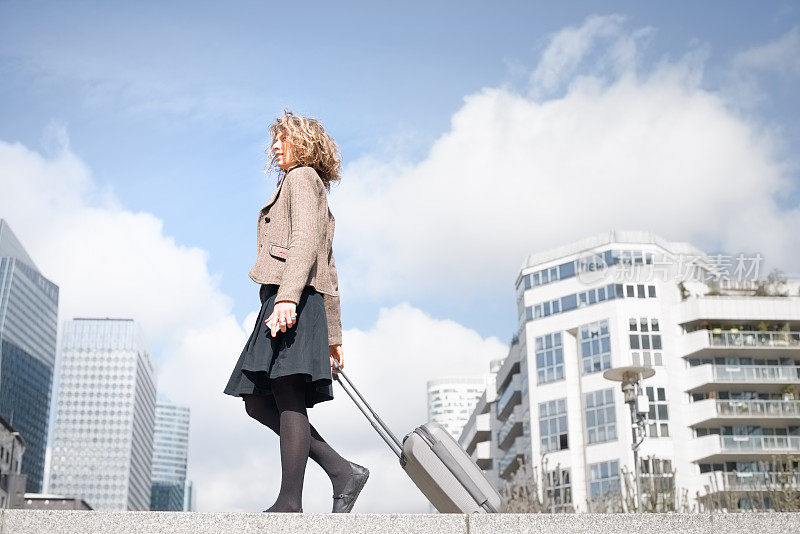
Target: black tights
(284,412)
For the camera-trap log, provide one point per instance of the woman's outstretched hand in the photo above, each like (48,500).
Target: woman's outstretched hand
(337,355)
(283,316)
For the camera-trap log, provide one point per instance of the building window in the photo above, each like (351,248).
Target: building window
(645,341)
(551,274)
(549,358)
(587,298)
(595,347)
(559,491)
(601,420)
(604,479)
(659,416)
(553,425)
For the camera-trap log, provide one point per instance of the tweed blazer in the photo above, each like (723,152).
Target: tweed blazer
(295,244)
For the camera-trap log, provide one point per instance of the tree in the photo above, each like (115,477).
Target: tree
(773,286)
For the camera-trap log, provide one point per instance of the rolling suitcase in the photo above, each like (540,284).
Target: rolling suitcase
(435,462)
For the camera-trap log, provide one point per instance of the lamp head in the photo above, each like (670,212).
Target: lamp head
(629,376)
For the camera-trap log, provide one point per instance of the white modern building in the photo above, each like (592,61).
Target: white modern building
(723,403)
(170,452)
(103,445)
(476,433)
(451,400)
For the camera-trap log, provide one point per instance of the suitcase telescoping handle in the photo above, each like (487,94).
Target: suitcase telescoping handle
(373,418)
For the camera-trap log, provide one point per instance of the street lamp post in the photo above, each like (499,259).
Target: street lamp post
(630,376)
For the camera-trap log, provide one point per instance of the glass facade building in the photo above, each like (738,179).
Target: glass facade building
(103,446)
(28,327)
(167,496)
(170,452)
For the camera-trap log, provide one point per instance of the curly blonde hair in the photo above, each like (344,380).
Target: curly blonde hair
(311,145)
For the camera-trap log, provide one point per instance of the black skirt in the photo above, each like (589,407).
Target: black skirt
(302,349)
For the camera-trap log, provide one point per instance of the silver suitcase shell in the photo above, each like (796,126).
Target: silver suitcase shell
(445,473)
(435,462)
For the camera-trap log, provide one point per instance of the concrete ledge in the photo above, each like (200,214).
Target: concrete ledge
(80,522)
(593,524)
(760,523)
(88,522)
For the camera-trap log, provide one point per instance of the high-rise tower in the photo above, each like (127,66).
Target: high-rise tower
(170,451)
(28,326)
(103,446)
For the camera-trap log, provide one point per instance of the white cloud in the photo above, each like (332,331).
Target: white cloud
(569,49)
(111,262)
(781,56)
(134,89)
(514,175)
(744,82)
(105,258)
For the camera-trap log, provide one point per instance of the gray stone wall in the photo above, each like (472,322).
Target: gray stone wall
(77,522)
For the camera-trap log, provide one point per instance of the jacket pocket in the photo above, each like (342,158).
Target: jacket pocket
(278,251)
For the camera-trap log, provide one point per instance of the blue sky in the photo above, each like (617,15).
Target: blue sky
(132,144)
(168,104)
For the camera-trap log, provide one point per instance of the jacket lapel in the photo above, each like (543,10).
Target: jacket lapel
(274,196)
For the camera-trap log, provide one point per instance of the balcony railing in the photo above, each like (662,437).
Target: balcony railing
(760,443)
(482,455)
(508,369)
(506,461)
(510,394)
(756,481)
(511,429)
(506,428)
(753,338)
(756,373)
(758,408)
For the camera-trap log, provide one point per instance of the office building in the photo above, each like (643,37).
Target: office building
(28,327)
(170,451)
(723,403)
(103,445)
(476,433)
(12,450)
(451,400)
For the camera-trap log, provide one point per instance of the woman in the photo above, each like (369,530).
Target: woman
(285,366)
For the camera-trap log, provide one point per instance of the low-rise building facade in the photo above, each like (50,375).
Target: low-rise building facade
(724,410)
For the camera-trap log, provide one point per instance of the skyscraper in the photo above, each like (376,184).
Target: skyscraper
(28,326)
(103,446)
(170,450)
